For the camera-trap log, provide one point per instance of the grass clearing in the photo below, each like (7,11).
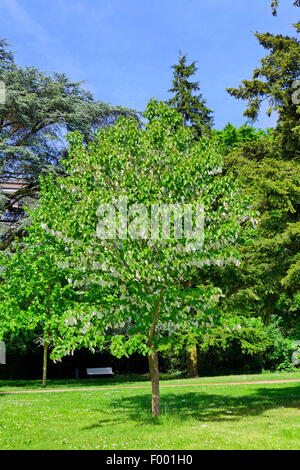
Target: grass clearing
(255,416)
(135,380)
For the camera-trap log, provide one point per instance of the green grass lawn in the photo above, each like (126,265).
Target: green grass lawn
(255,416)
(136,380)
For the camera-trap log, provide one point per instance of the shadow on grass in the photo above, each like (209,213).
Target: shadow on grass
(204,407)
(73,383)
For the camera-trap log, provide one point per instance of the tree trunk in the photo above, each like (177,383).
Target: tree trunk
(192,362)
(45,356)
(154,374)
(153,360)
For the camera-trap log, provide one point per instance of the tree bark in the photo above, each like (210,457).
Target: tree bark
(192,362)
(154,374)
(153,361)
(45,357)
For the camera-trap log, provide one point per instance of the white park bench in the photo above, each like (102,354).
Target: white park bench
(100,371)
(2,353)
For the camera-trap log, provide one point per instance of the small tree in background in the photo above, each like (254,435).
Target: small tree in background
(190,105)
(231,138)
(34,292)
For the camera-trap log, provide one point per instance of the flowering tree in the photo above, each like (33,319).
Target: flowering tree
(141,211)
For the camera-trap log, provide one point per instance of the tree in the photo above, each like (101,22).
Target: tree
(191,106)
(196,115)
(268,169)
(270,272)
(248,332)
(39,110)
(231,138)
(34,292)
(275,5)
(228,139)
(277,82)
(137,274)
(6,56)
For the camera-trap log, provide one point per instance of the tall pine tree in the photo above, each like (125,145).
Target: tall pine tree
(268,169)
(198,117)
(188,103)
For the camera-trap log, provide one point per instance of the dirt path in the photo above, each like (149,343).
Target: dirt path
(128,387)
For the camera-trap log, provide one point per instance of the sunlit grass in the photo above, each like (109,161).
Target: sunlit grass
(256,416)
(137,380)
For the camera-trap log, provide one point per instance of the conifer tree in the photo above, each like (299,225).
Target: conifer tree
(269,170)
(38,111)
(198,117)
(276,81)
(275,5)
(188,103)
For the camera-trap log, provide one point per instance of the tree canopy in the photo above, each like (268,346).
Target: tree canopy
(39,110)
(276,81)
(268,168)
(137,281)
(34,293)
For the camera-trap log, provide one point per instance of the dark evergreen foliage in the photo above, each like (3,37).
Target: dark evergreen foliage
(188,103)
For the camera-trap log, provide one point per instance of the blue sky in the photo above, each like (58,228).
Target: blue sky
(124,48)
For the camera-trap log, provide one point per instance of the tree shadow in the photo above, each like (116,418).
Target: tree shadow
(204,407)
(75,383)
